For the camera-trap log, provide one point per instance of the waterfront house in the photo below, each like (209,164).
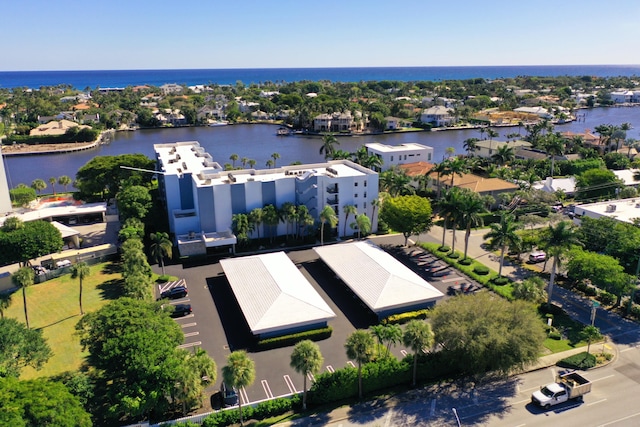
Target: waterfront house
(488,147)
(171,89)
(438,116)
(394,155)
(336,122)
(55,128)
(476,183)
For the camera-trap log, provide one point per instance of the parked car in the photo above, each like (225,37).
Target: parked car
(175,293)
(462,288)
(181,310)
(537,256)
(439,273)
(228,395)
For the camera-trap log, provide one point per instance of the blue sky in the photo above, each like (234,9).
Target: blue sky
(162,34)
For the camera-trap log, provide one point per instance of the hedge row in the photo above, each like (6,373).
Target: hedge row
(477,271)
(292,339)
(82,135)
(582,360)
(402,318)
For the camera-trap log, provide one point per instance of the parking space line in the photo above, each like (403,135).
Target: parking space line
(188,325)
(267,389)
(351,363)
(179,301)
(188,316)
(191,334)
(191,344)
(330,369)
(243,395)
(311,377)
(289,382)
(404,352)
(451,280)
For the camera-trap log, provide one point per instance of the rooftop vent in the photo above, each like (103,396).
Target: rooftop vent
(610,208)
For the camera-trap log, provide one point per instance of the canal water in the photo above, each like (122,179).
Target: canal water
(259,142)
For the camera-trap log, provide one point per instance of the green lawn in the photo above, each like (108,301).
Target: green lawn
(53,307)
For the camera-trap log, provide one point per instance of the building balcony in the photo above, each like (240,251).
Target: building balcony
(332,200)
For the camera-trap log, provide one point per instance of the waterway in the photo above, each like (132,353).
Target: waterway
(259,142)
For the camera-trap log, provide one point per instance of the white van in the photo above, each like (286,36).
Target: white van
(537,256)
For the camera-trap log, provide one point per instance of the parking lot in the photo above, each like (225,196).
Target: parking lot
(218,326)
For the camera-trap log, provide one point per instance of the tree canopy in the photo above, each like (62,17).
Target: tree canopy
(407,214)
(20,347)
(482,333)
(34,239)
(39,402)
(103,176)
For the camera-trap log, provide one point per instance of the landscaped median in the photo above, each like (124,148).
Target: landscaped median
(472,268)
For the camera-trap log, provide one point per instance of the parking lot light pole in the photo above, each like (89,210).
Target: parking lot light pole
(456,414)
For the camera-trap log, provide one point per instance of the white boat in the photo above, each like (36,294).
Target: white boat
(219,123)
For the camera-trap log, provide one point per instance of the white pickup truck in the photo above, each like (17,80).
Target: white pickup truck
(568,386)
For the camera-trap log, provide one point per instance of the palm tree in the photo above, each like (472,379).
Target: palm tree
(275,157)
(240,227)
(38,185)
(306,359)
(269,164)
(503,235)
(80,271)
(418,336)
(5,302)
(553,144)
(233,158)
(450,151)
(327,215)
(161,247)
(375,203)
(304,219)
(271,218)
(590,333)
(450,212)
(482,130)
(557,241)
(251,163)
(470,144)
(504,155)
(455,166)
(255,219)
(359,347)
(328,145)
(471,207)
(239,372)
(364,224)
(52,181)
(64,180)
(348,210)
(23,278)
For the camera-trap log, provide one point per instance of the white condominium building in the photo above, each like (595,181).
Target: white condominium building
(201,197)
(393,155)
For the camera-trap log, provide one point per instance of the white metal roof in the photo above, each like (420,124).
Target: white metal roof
(273,294)
(381,281)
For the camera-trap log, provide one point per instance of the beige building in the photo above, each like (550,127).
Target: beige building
(55,128)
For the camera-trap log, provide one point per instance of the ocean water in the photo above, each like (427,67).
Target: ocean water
(123,78)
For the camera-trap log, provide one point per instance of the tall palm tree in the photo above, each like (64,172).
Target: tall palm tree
(53,181)
(471,207)
(418,336)
(251,163)
(80,271)
(23,278)
(38,185)
(244,161)
(64,180)
(364,224)
(375,204)
(470,144)
(360,347)
(255,219)
(557,241)
(503,235)
(269,163)
(329,142)
(304,220)
(553,144)
(348,210)
(289,215)
(271,218)
(449,211)
(233,157)
(306,359)
(240,227)
(275,157)
(327,216)
(455,166)
(239,372)
(161,246)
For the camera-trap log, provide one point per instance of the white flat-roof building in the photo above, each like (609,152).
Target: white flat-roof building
(625,210)
(393,155)
(274,296)
(383,283)
(201,197)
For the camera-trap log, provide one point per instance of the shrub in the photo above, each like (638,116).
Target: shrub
(287,340)
(444,249)
(481,269)
(465,261)
(555,335)
(401,318)
(454,255)
(501,281)
(606,298)
(582,360)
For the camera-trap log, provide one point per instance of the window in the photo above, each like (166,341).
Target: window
(355,184)
(365,195)
(392,158)
(355,195)
(365,206)
(429,157)
(365,183)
